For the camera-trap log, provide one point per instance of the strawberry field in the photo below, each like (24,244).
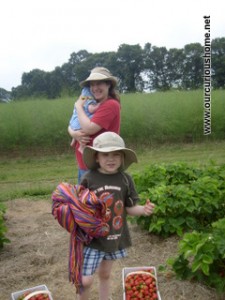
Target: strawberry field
(39,249)
(184,239)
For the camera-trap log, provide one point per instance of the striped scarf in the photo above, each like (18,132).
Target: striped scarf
(81,213)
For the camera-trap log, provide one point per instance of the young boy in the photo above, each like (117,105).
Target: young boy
(107,160)
(90,108)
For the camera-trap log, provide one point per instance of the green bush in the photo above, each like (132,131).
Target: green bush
(201,256)
(186,197)
(190,202)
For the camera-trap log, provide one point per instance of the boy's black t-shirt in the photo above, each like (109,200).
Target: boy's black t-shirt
(118,191)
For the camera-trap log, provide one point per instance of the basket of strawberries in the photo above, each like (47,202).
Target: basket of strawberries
(140,283)
(40,292)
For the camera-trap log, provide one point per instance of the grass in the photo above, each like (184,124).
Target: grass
(38,176)
(21,177)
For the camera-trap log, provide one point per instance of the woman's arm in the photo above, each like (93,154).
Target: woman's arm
(87,126)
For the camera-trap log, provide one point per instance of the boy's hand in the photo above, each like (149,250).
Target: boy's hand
(148,208)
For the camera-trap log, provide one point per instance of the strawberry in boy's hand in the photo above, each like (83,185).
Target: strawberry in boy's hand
(148,207)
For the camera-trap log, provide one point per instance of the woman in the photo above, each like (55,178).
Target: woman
(107,117)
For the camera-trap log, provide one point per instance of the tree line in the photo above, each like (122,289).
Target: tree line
(138,69)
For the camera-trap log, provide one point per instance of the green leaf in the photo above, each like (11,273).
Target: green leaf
(205,269)
(206,259)
(196,265)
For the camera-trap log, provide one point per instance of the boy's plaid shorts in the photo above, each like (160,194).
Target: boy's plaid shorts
(93,258)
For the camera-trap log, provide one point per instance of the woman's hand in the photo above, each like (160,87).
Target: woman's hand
(79,136)
(79,103)
(89,127)
(83,138)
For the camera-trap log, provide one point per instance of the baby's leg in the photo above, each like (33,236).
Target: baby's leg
(81,148)
(72,144)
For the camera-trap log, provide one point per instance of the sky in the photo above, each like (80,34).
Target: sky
(42,34)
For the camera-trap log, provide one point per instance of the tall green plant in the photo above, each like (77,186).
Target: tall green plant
(146,119)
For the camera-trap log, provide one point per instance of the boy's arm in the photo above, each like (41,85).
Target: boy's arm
(141,210)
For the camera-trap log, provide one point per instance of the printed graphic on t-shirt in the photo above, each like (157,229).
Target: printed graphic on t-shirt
(118,207)
(114,210)
(117,222)
(108,215)
(107,198)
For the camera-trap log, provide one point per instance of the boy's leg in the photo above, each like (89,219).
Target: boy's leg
(91,262)
(87,282)
(104,272)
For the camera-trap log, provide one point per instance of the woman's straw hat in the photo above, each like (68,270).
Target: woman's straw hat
(108,142)
(100,74)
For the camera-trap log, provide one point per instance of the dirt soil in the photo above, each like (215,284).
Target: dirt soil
(38,254)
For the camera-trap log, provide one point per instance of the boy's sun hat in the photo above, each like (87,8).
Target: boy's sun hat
(99,74)
(108,142)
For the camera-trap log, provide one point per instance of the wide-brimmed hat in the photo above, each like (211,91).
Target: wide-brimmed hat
(100,73)
(108,142)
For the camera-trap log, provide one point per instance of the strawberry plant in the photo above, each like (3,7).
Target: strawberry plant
(186,197)
(3,228)
(190,202)
(166,174)
(201,256)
